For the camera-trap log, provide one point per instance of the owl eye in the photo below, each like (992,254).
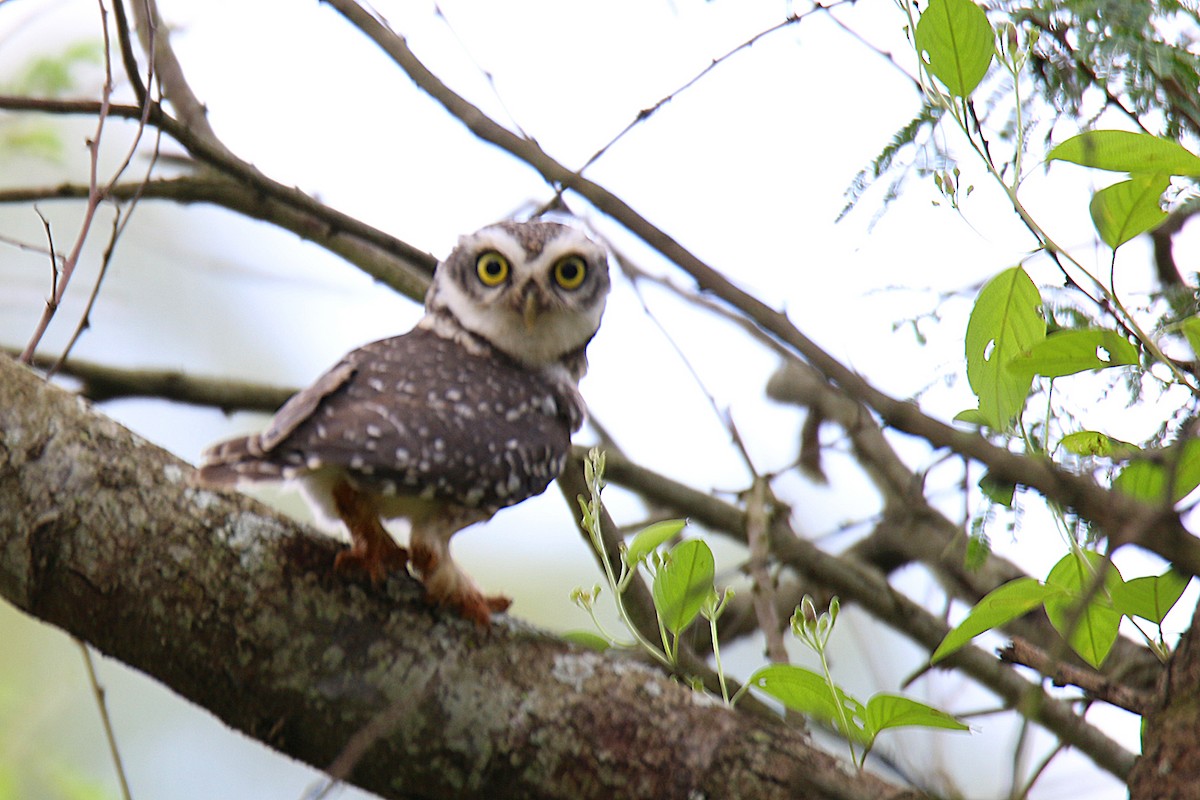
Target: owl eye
(569,272)
(492,268)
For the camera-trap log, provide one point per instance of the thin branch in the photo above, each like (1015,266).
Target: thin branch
(406,276)
(156,42)
(128,57)
(759,511)
(102,705)
(647,113)
(94,198)
(395,262)
(1060,673)
(99,383)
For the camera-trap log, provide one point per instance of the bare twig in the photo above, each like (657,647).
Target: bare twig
(99,383)
(759,512)
(129,58)
(94,198)
(1102,687)
(647,113)
(406,275)
(102,705)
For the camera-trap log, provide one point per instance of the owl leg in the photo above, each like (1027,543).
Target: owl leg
(372,549)
(445,583)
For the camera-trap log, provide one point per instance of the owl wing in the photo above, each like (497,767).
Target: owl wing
(245,458)
(301,406)
(417,414)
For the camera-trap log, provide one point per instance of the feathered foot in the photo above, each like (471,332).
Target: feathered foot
(447,585)
(372,549)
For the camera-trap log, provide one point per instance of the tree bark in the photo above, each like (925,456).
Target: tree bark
(1169,768)
(233,606)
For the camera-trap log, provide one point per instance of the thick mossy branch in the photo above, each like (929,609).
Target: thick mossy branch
(234,607)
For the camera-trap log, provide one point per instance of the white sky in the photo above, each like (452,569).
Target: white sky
(747,168)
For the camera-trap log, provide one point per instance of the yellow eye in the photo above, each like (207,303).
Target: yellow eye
(492,268)
(569,272)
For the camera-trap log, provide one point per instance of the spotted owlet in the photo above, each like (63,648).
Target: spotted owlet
(469,412)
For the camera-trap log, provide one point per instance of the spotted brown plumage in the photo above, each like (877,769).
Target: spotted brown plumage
(469,412)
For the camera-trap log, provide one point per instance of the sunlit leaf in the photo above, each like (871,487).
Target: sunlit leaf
(979,547)
(1143,480)
(997,491)
(1070,351)
(683,583)
(808,692)
(1129,208)
(587,639)
(1146,479)
(1094,443)
(893,711)
(971,416)
(1126,151)
(956,38)
(999,606)
(1092,630)
(652,537)
(1191,332)
(1150,597)
(1005,322)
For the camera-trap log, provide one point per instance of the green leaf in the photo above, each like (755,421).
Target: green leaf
(651,537)
(1126,151)
(971,416)
(1094,443)
(1071,351)
(587,639)
(1146,479)
(1191,332)
(1187,470)
(1004,323)
(997,491)
(893,711)
(808,692)
(1143,480)
(8,783)
(979,547)
(683,583)
(1093,632)
(957,39)
(1130,208)
(999,606)
(1151,597)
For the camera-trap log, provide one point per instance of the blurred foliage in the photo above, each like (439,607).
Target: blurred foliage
(1085,57)
(50,76)
(1137,56)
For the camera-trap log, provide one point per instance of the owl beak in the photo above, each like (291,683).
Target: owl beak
(532,308)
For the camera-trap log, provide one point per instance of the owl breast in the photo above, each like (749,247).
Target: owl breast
(419,416)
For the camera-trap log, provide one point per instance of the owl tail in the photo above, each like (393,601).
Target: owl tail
(236,461)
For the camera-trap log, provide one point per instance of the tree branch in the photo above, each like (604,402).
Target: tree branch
(1022,652)
(99,382)
(408,275)
(233,607)
(263,198)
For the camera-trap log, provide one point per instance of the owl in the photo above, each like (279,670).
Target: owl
(469,412)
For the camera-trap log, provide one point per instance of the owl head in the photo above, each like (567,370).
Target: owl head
(533,290)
